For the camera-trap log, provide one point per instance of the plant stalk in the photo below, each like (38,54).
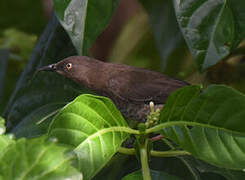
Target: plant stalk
(171,153)
(144,163)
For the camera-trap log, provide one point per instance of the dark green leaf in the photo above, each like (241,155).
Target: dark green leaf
(84,20)
(4,53)
(229,174)
(155,175)
(165,27)
(38,96)
(37,159)
(212,28)
(25,15)
(96,129)
(217,118)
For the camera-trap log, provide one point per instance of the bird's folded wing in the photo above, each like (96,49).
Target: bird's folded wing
(140,87)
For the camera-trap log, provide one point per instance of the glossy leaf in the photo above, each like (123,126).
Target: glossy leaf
(164,25)
(37,159)
(216,115)
(39,95)
(94,127)
(155,175)
(84,20)
(212,28)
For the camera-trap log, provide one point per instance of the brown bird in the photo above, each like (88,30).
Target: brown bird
(130,88)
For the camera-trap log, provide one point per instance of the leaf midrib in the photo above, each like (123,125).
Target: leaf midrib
(107,130)
(190,123)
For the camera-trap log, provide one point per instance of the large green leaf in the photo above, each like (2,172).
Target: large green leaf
(155,175)
(164,25)
(96,129)
(38,96)
(216,117)
(84,20)
(37,159)
(212,28)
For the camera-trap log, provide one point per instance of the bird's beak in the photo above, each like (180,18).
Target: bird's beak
(51,67)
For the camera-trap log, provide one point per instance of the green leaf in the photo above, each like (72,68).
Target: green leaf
(164,25)
(33,99)
(94,126)
(212,28)
(5,140)
(4,54)
(84,20)
(25,16)
(37,159)
(155,175)
(229,174)
(2,126)
(216,117)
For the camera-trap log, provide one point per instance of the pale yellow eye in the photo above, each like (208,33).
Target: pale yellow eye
(69,66)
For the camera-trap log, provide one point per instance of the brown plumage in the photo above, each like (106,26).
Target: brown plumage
(129,87)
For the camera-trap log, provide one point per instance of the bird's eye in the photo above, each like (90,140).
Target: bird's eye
(69,66)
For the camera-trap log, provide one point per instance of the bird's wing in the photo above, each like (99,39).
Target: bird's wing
(141,86)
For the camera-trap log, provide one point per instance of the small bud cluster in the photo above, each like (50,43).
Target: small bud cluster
(153,116)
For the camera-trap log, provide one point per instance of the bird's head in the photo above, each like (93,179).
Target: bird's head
(76,68)
(65,67)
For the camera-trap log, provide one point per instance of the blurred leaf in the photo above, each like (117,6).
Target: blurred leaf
(211,28)
(84,20)
(23,15)
(217,118)
(2,126)
(96,129)
(37,159)
(134,31)
(5,140)
(18,47)
(165,27)
(4,54)
(18,42)
(119,165)
(39,95)
(36,122)
(155,175)
(229,174)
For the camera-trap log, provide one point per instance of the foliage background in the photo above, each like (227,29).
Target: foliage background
(134,36)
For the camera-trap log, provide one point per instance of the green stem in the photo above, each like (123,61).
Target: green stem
(171,153)
(128,151)
(144,163)
(130,130)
